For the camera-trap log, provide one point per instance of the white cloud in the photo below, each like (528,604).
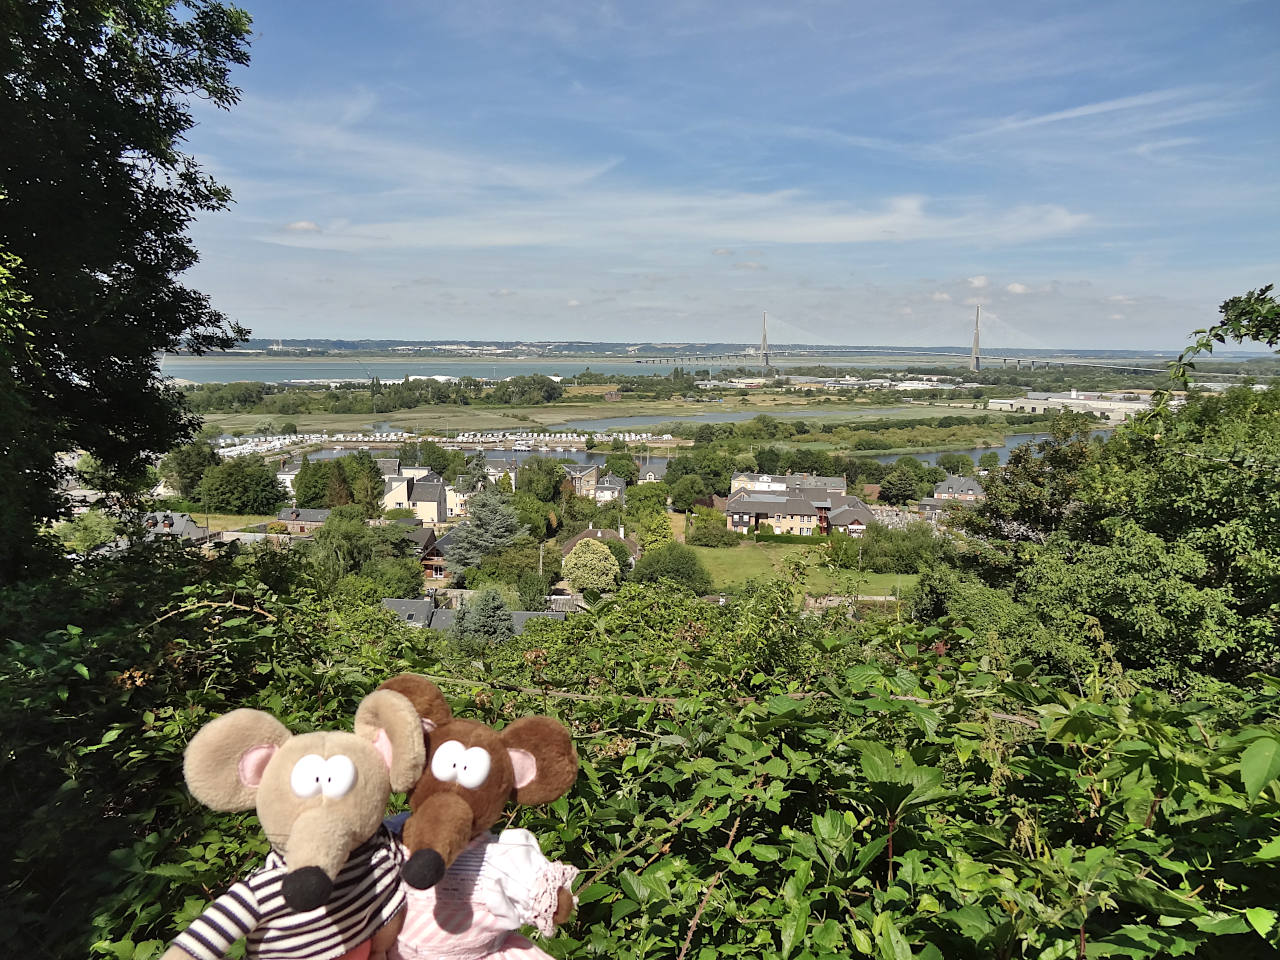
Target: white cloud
(940,297)
(303,226)
(504,292)
(573,303)
(1116,316)
(1119,298)
(978,282)
(749,265)
(906,311)
(722,252)
(973,301)
(1017,288)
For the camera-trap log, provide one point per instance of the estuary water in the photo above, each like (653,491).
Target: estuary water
(598,456)
(268,370)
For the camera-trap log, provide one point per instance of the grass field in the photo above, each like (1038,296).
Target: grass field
(230,521)
(731,567)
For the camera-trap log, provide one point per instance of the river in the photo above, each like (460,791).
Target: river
(268,370)
(598,456)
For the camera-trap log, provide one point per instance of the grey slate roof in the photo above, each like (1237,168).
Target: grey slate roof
(179,525)
(611,481)
(579,469)
(303,515)
(421,492)
(388,467)
(958,486)
(425,613)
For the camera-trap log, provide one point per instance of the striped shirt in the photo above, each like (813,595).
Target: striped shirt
(366,895)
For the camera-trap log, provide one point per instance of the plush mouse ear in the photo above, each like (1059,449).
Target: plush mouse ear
(226,758)
(425,697)
(389,721)
(543,758)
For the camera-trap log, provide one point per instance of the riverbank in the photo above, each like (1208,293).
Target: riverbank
(586,415)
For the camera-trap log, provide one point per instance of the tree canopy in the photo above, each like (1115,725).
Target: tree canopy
(96,195)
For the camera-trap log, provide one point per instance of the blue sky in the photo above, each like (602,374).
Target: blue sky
(1094,174)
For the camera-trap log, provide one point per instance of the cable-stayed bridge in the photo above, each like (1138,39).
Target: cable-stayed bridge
(765,354)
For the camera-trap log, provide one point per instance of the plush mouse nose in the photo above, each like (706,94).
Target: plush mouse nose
(306,888)
(423,869)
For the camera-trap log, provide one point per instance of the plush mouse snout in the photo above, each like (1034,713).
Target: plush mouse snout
(306,889)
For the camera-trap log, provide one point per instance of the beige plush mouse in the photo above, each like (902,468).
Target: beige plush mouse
(331,885)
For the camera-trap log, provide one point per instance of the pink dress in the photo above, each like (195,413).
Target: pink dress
(495,886)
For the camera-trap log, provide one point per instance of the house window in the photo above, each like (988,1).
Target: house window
(409,617)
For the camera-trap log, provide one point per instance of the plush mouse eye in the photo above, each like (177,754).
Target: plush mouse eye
(308,774)
(446,761)
(339,776)
(474,768)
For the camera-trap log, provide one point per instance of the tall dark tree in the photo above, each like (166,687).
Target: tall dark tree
(241,485)
(337,491)
(311,484)
(96,196)
(183,467)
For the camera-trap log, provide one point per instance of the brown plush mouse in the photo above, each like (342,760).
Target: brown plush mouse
(330,887)
(494,884)
(471,772)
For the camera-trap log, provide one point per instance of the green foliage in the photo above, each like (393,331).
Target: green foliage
(311,485)
(240,485)
(541,478)
(674,562)
(427,453)
(711,529)
(398,513)
(95,106)
(590,565)
(898,488)
(622,465)
(989,461)
(883,549)
(687,491)
(655,532)
(183,467)
(394,576)
(91,529)
(957,464)
(346,545)
(647,499)
(484,623)
(491,527)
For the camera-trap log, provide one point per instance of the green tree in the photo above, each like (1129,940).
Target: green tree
(394,576)
(989,461)
(311,484)
(345,544)
(689,489)
(183,467)
(94,105)
(898,487)
(91,529)
(711,529)
(337,491)
(484,623)
(647,498)
(365,480)
(504,484)
(957,464)
(491,526)
(623,466)
(540,477)
(675,562)
(240,485)
(655,531)
(591,566)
